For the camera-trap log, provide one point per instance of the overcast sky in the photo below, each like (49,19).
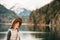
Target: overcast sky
(28,4)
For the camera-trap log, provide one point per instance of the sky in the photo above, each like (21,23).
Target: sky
(27,4)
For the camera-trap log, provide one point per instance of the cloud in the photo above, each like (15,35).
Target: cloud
(28,4)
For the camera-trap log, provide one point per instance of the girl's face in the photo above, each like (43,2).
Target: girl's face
(16,25)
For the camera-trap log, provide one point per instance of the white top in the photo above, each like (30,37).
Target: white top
(14,34)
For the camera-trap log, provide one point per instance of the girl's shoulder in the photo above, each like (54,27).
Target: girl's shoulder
(9,30)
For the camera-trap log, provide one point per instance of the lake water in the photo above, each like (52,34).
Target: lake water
(25,34)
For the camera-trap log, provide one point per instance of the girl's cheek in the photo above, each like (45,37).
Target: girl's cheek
(17,25)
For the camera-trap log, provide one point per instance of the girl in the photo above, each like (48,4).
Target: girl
(13,32)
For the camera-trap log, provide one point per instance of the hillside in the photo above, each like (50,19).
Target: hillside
(6,16)
(47,15)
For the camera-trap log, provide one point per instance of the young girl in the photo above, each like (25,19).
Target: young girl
(13,32)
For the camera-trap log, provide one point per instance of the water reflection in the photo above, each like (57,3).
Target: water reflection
(24,35)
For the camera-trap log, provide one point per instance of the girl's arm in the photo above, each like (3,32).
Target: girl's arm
(8,35)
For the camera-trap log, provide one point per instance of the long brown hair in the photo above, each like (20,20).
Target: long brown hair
(15,21)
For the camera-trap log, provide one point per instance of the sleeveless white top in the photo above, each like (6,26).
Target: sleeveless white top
(14,34)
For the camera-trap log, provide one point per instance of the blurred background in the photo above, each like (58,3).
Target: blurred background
(41,18)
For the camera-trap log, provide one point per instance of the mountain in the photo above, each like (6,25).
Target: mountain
(49,14)
(45,14)
(25,12)
(21,12)
(6,16)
